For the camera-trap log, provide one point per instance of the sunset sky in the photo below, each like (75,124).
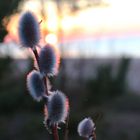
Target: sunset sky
(102,29)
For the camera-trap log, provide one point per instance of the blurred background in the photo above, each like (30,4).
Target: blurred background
(99,42)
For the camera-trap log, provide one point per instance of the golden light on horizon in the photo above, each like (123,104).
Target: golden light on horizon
(51,39)
(119,19)
(48,21)
(52,17)
(119,16)
(32,5)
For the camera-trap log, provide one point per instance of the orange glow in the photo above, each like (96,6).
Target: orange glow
(48,21)
(117,18)
(12,29)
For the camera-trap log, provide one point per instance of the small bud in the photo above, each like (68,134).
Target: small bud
(57,107)
(86,127)
(48,61)
(28,30)
(35,85)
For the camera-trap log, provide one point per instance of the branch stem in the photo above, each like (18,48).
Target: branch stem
(36,55)
(66,128)
(55,132)
(54,128)
(46,87)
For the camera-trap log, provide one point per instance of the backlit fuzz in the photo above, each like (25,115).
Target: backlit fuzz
(56,104)
(28,30)
(35,85)
(48,61)
(86,128)
(47,122)
(57,107)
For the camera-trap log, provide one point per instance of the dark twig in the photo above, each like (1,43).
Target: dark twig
(36,55)
(55,132)
(66,128)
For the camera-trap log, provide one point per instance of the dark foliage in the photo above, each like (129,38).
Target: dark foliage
(7,7)
(106,85)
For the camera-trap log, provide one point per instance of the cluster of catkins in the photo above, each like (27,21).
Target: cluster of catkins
(56,104)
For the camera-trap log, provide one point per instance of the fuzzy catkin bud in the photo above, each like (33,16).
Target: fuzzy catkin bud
(57,108)
(35,85)
(28,30)
(86,127)
(48,61)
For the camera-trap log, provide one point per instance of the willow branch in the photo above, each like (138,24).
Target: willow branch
(54,128)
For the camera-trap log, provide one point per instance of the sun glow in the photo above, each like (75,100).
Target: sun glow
(51,39)
(118,18)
